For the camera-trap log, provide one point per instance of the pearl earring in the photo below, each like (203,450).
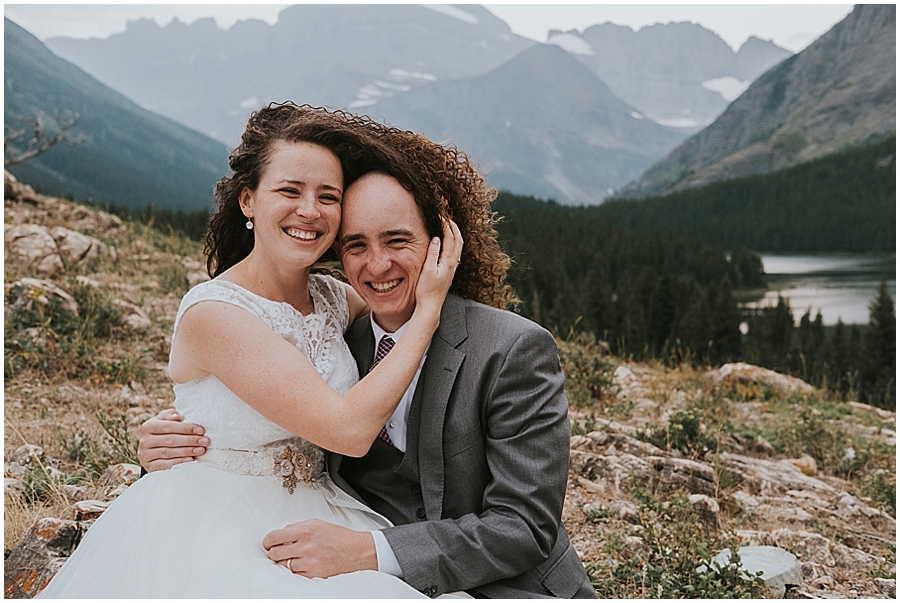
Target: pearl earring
(249,223)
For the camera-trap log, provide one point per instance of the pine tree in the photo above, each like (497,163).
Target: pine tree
(878,378)
(725,324)
(837,359)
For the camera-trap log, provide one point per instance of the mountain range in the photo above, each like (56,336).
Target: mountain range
(838,92)
(347,56)
(455,73)
(127,156)
(678,74)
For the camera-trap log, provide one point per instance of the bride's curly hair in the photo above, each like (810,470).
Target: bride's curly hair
(442,179)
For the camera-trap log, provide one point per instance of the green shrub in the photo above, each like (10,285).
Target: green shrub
(45,337)
(173,278)
(684,432)
(673,559)
(881,487)
(98,316)
(117,444)
(589,370)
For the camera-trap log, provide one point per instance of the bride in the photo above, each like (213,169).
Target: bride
(258,357)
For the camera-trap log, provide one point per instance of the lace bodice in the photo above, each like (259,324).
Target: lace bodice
(229,421)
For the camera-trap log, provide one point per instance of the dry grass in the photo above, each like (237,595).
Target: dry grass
(64,383)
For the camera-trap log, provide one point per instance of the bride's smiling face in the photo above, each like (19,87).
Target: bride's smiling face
(296,209)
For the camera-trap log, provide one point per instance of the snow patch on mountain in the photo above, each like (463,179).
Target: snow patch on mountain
(679,122)
(371,93)
(729,86)
(452,11)
(571,43)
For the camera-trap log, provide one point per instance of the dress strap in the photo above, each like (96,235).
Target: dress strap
(330,296)
(216,290)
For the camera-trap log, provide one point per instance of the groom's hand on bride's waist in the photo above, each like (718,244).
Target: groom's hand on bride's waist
(167,441)
(318,549)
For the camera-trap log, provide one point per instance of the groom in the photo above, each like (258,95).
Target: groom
(472,467)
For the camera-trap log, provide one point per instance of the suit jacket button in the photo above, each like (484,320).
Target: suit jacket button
(420,513)
(416,490)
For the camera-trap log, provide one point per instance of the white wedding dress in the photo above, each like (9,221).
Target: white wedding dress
(196,530)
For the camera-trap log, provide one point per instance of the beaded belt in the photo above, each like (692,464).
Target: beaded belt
(294,462)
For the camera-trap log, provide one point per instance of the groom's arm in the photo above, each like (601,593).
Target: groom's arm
(527,454)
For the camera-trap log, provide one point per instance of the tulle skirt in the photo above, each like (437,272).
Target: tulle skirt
(196,531)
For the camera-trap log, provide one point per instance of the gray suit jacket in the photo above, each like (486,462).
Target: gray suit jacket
(492,450)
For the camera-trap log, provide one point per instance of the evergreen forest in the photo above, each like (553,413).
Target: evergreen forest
(845,201)
(659,296)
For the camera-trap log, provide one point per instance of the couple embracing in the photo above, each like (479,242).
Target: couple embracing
(386,440)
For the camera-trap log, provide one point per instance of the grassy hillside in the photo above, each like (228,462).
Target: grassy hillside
(128,156)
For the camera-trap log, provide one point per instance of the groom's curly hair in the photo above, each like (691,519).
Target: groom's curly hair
(442,179)
(447,184)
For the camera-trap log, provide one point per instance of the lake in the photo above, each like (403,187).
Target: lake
(840,285)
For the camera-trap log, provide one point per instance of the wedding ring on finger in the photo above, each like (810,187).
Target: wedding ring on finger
(288,564)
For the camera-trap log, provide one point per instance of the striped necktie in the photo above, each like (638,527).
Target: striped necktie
(384,346)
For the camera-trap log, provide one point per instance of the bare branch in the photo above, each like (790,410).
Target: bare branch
(37,135)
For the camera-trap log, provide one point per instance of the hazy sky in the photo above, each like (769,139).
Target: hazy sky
(792,26)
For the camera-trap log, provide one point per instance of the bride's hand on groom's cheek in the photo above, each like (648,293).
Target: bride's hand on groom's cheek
(166,441)
(318,549)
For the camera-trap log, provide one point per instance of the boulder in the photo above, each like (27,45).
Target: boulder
(745,501)
(765,476)
(15,190)
(75,247)
(611,442)
(79,217)
(779,568)
(706,507)
(122,473)
(849,558)
(73,493)
(132,317)
(23,455)
(806,464)
(887,587)
(39,555)
(622,472)
(90,509)
(31,241)
(41,292)
(741,371)
(808,546)
(13,486)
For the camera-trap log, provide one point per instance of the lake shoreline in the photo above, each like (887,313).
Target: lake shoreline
(840,285)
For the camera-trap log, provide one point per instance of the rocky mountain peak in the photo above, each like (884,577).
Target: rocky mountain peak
(839,91)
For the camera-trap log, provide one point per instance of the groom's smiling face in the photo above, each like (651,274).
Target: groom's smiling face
(383,243)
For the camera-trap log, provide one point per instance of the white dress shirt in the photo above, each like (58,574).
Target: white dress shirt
(396,428)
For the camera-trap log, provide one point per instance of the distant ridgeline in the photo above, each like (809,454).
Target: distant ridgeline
(842,202)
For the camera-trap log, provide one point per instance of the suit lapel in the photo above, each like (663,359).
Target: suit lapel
(432,396)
